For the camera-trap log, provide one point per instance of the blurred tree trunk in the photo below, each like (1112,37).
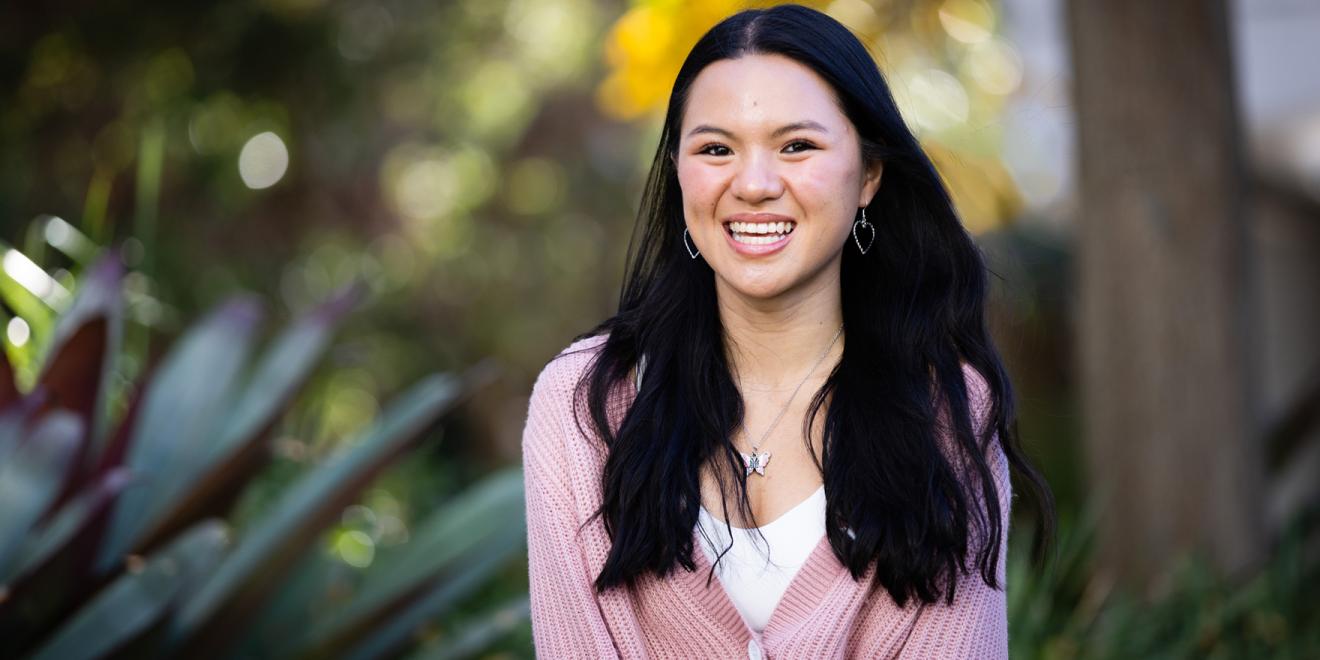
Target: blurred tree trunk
(1172,453)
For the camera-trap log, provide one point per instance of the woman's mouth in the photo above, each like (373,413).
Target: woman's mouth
(759,238)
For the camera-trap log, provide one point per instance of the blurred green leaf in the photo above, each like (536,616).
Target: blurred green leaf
(463,578)
(61,533)
(30,479)
(456,543)
(479,635)
(27,305)
(182,407)
(283,370)
(233,455)
(306,508)
(135,601)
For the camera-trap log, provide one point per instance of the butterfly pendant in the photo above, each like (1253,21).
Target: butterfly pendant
(756,462)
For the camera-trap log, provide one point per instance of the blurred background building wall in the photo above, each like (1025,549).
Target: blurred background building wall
(1279,109)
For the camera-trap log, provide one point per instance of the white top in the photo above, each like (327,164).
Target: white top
(755,577)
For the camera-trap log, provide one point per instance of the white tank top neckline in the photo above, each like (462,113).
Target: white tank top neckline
(754,580)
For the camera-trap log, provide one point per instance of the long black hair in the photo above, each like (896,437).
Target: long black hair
(913,309)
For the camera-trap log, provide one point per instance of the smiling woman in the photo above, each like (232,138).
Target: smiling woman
(755,274)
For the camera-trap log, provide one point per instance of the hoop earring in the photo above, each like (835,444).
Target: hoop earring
(863,224)
(692,249)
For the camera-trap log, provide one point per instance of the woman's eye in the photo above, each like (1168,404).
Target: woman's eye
(804,145)
(708,150)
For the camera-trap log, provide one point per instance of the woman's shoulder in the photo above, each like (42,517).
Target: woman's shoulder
(555,390)
(561,374)
(557,425)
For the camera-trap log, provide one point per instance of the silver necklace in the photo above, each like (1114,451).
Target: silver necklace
(757,460)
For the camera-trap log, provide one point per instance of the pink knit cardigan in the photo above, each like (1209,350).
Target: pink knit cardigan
(823,614)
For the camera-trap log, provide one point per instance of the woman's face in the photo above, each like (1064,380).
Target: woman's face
(771,174)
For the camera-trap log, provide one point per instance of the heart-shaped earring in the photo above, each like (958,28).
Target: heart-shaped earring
(692,249)
(863,223)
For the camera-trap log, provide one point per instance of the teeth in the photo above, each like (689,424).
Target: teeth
(753,239)
(762,227)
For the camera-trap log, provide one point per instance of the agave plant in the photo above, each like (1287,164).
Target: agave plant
(112,532)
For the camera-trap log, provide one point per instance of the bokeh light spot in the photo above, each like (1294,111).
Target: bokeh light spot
(995,66)
(968,21)
(937,100)
(263,161)
(356,548)
(18,331)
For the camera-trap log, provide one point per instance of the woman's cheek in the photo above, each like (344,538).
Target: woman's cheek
(827,182)
(815,185)
(700,185)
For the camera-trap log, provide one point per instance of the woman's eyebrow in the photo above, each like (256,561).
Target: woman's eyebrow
(786,128)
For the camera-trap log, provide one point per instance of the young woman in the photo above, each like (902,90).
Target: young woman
(784,442)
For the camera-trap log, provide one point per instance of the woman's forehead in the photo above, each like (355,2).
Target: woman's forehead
(761,93)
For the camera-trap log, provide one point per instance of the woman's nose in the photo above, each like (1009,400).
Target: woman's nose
(757,179)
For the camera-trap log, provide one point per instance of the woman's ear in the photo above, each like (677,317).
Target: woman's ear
(871,182)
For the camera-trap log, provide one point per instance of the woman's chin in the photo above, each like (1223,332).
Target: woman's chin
(769,281)
(756,288)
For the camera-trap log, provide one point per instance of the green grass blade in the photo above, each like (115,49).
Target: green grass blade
(37,311)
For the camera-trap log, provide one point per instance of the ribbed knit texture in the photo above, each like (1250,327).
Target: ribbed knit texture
(823,614)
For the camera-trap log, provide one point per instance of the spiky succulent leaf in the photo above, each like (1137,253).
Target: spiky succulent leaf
(87,375)
(235,454)
(212,616)
(30,479)
(458,540)
(136,601)
(480,634)
(182,407)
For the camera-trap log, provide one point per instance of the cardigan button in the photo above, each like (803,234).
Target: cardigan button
(754,651)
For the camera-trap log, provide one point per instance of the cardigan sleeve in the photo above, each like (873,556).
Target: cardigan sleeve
(975,625)
(567,621)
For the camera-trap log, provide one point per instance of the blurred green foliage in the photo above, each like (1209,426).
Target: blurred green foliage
(111,516)
(449,155)
(1066,609)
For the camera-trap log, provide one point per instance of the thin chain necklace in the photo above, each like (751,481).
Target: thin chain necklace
(757,460)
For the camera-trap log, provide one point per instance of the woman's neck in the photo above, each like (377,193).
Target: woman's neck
(773,343)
